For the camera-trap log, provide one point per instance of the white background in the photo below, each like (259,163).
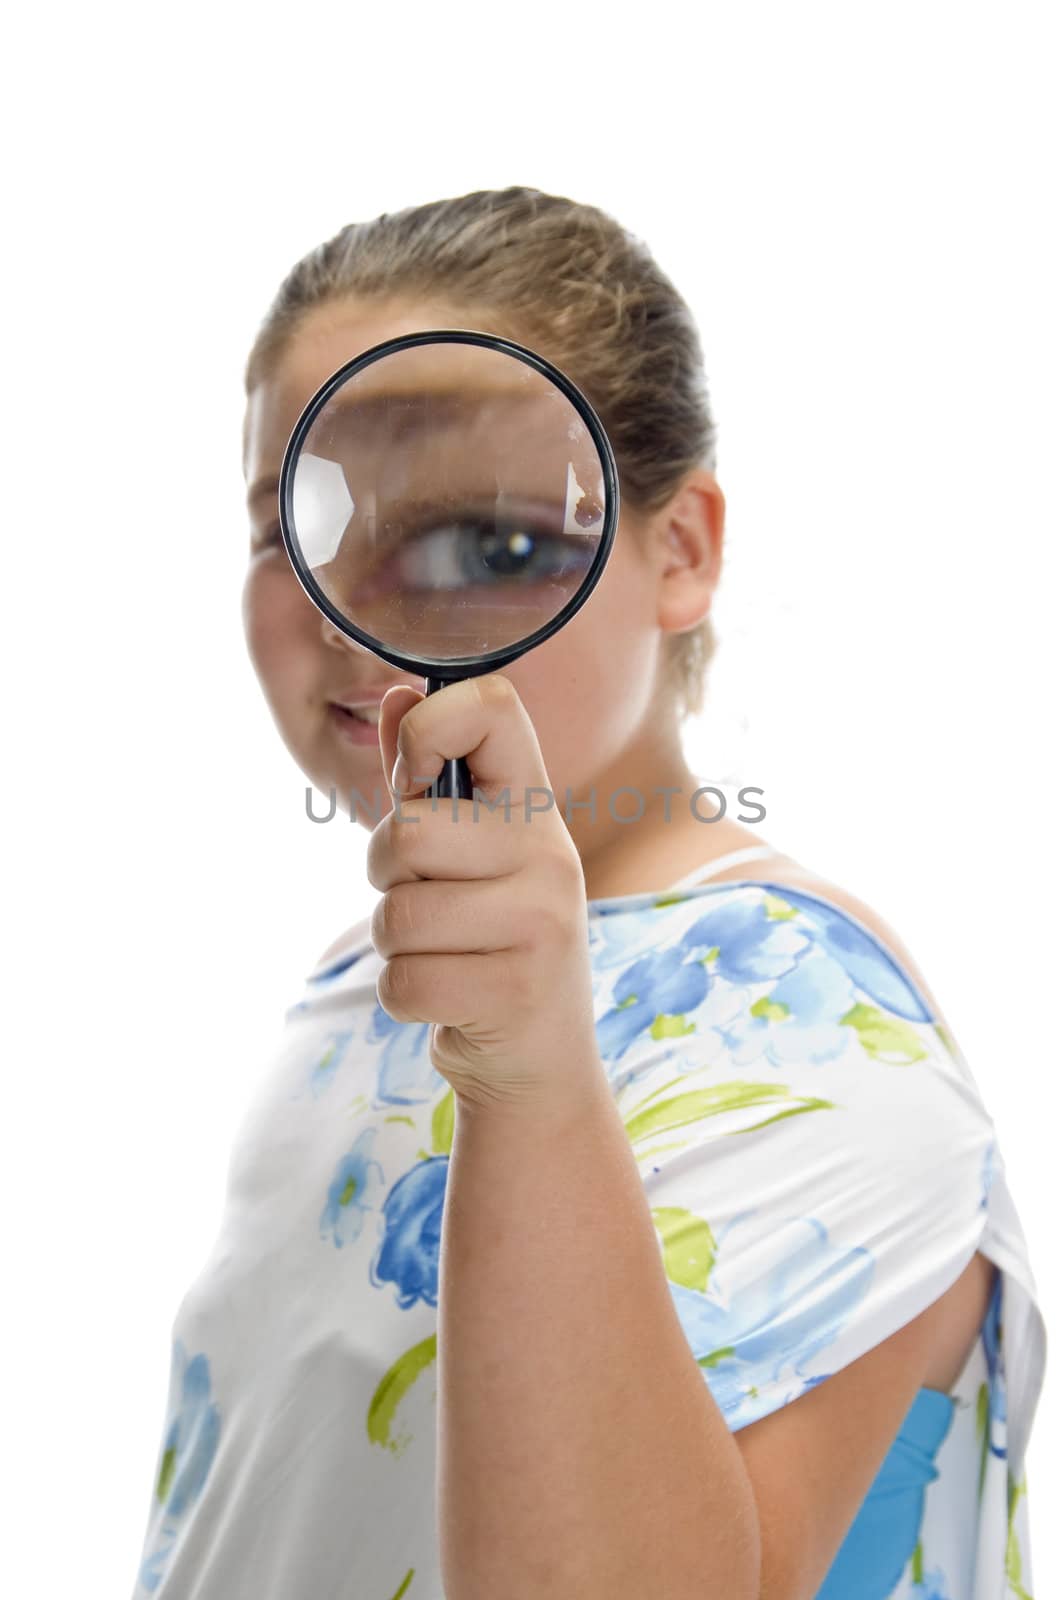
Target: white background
(862,205)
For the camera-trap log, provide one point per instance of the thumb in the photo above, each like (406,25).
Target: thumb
(394,707)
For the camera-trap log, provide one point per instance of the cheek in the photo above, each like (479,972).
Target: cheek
(280,624)
(611,640)
(588,687)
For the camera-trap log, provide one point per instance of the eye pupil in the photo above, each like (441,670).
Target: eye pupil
(506,551)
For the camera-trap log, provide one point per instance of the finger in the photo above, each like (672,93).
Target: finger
(478,916)
(450,989)
(422,838)
(482,719)
(394,706)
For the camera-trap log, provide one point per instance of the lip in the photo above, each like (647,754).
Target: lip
(352,729)
(369,694)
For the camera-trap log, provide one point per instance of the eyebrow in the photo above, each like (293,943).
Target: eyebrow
(424,408)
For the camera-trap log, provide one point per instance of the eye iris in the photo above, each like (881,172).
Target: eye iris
(506,550)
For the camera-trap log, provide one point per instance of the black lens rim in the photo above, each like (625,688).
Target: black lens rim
(467,666)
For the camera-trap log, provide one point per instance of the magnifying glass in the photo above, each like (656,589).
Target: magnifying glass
(448,499)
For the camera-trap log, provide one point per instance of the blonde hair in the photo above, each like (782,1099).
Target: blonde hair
(570,282)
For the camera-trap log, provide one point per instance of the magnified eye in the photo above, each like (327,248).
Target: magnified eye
(461,553)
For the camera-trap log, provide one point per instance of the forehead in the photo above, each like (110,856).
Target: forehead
(324,340)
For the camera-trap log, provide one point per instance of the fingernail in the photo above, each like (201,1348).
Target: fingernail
(400,776)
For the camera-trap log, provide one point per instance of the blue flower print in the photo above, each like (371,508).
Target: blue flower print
(811,999)
(662,984)
(189,1448)
(932,1586)
(758,1325)
(617,941)
(324,1069)
(409,1254)
(989,1173)
(738,942)
(840,982)
(743,927)
(752,944)
(405,1074)
(990,1334)
(866,962)
(827,981)
(356,1180)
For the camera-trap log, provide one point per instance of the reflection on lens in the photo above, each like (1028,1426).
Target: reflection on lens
(449,500)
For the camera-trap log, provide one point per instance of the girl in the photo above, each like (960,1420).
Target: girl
(619,1217)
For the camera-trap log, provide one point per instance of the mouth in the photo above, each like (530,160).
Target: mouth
(356,725)
(367,714)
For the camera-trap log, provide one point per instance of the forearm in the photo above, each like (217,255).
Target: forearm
(580,1452)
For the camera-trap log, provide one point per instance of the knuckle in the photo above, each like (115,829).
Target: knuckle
(567,875)
(404,833)
(376,850)
(391,923)
(522,987)
(553,914)
(495,690)
(393,984)
(555,911)
(408,738)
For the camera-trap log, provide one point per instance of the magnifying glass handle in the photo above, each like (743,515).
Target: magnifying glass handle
(455,781)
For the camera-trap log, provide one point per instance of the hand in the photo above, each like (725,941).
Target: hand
(482,921)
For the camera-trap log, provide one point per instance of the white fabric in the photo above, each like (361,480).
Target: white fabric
(711,869)
(820,1168)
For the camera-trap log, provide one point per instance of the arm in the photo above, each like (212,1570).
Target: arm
(580,1452)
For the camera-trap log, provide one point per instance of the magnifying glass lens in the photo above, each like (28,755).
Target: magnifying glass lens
(448,500)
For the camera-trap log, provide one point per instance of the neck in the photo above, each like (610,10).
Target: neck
(649,783)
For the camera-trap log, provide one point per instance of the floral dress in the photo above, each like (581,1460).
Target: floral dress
(819,1167)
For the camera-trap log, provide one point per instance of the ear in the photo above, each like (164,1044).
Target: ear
(689,548)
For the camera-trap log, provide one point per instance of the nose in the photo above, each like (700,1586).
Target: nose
(351,647)
(339,641)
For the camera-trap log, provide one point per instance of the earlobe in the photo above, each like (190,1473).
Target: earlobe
(692,530)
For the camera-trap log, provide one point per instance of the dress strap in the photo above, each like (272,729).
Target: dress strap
(750,852)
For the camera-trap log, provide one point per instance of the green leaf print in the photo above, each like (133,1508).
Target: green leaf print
(718,1355)
(918,1562)
(698,1104)
(884,1038)
(769,1010)
(391,1390)
(982,1428)
(404,1586)
(166,1476)
(443,1125)
(326,1062)
(1013,1553)
(689,1246)
(670,1027)
(778,909)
